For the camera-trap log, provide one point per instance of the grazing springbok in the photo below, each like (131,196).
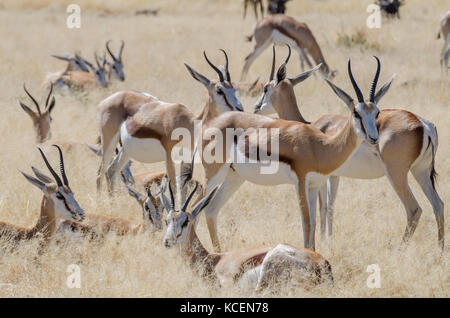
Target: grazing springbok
(255,4)
(41,119)
(281,29)
(58,202)
(116,67)
(445,31)
(254,268)
(305,158)
(397,129)
(145,124)
(83,80)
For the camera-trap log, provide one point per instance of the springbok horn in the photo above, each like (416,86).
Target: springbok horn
(34,101)
(272,72)
(375,81)
(54,174)
(355,86)
(214,67)
(48,97)
(121,49)
(109,51)
(61,166)
(96,60)
(189,198)
(172,199)
(289,54)
(226,66)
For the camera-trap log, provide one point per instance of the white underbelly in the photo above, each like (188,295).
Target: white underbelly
(259,173)
(363,164)
(316,180)
(147,150)
(280,39)
(249,279)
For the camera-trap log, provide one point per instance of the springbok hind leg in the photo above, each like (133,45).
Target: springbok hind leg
(108,146)
(323,210)
(259,48)
(304,213)
(332,189)
(423,177)
(399,180)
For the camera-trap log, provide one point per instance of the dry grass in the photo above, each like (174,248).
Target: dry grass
(370,219)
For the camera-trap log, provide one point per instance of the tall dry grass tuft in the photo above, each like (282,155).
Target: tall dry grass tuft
(369,218)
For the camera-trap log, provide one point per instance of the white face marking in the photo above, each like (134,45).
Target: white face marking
(176,231)
(225,97)
(363,119)
(263,105)
(66,206)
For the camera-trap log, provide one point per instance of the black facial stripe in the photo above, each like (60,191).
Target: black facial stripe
(226,101)
(66,205)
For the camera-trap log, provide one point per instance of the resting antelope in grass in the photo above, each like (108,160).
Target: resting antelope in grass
(254,268)
(145,124)
(83,80)
(445,31)
(281,29)
(58,202)
(306,156)
(397,129)
(76,63)
(116,67)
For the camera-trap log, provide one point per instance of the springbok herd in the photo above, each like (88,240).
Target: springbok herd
(366,143)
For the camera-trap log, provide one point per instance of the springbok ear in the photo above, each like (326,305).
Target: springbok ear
(35,182)
(342,95)
(281,73)
(204,202)
(164,199)
(41,176)
(199,77)
(384,89)
(27,110)
(95,150)
(304,75)
(67,59)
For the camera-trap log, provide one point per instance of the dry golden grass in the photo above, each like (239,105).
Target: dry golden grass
(369,221)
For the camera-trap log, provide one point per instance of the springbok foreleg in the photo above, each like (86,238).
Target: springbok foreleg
(304,212)
(117,164)
(312,204)
(323,210)
(332,189)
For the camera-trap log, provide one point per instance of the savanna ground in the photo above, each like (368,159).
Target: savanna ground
(369,218)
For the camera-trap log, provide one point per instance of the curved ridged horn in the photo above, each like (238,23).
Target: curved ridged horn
(214,67)
(172,199)
(120,51)
(289,54)
(61,166)
(375,81)
(54,174)
(189,198)
(109,51)
(355,86)
(272,72)
(227,73)
(50,93)
(32,98)
(96,61)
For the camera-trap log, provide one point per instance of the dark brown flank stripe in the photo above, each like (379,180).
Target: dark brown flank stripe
(139,131)
(250,263)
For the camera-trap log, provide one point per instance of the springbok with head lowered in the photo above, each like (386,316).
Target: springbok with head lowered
(41,119)
(305,156)
(397,129)
(145,125)
(116,67)
(282,29)
(254,268)
(58,202)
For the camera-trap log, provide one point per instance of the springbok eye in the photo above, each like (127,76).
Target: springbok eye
(59,196)
(220,92)
(265,89)
(356,114)
(185,223)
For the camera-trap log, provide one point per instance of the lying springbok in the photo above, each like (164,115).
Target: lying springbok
(445,31)
(254,268)
(397,129)
(306,156)
(255,4)
(41,120)
(116,67)
(58,202)
(281,29)
(83,80)
(76,63)
(146,125)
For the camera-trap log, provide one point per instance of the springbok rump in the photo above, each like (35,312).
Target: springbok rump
(397,129)
(254,268)
(282,29)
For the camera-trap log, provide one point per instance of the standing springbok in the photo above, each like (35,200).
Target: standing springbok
(306,156)
(397,129)
(116,67)
(255,4)
(145,124)
(41,120)
(254,268)
(58,202)
(282,29)
(445,31)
